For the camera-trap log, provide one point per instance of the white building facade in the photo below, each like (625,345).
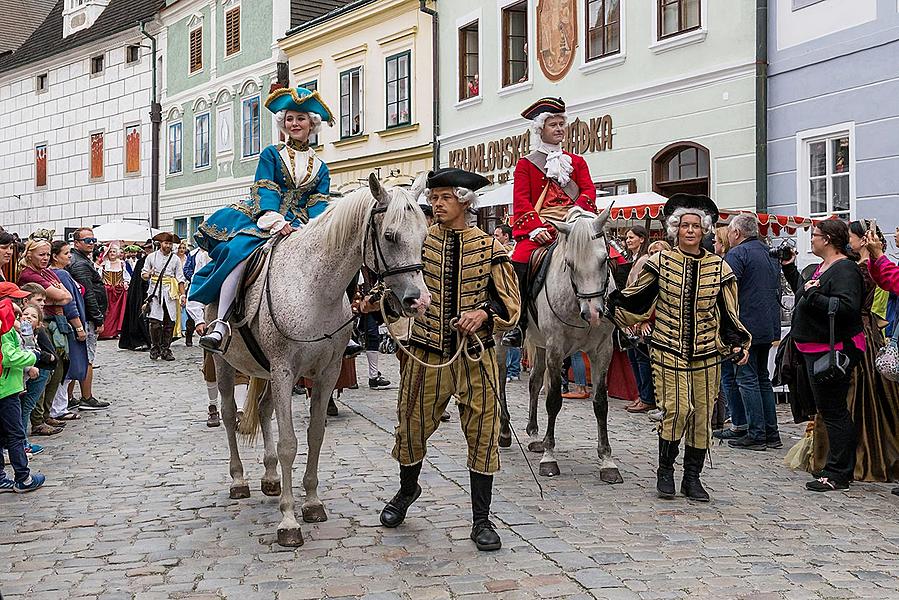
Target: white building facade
(75,133)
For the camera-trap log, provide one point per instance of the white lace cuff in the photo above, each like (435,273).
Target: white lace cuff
(271,221)
(534,233)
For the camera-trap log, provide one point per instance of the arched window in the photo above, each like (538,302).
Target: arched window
(681,168)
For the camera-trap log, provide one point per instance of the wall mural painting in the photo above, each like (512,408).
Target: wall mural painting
(556,36)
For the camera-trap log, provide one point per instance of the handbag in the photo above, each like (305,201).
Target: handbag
(145,307)
(834,365)
(887,360)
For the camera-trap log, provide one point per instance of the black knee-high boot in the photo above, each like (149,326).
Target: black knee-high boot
(665,475)
(515,338)
(691,486)
(155,339)
(168,332)
(483,533)
(394,512)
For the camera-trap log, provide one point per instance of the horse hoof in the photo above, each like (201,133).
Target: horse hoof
(314,514)
(505,440)
(610,475)
(271,488)
(535,447)
(549,469)
(239,491)
(290,538)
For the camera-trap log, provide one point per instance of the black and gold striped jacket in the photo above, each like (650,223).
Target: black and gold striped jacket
(695,303)
(464,270)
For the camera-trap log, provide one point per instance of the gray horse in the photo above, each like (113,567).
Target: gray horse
(569,319)
(301,322)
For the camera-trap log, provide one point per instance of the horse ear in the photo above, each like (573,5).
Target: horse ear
(600,221)
(377,190)
(561,226)
(418,186)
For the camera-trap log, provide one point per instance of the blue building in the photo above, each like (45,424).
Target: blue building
(833,109)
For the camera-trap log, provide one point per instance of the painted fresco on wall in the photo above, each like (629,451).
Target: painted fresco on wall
(556,36)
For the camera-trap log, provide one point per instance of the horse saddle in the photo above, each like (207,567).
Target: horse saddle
(257,264)
(538,267)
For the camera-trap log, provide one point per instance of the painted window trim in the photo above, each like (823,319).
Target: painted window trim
(609,60)
(225,11)
(410,120)
(361,107)
(125,172)
(46,147)
(168,146)
(518,86)
(464,21)
(679,40)
(243,104)
(208,114)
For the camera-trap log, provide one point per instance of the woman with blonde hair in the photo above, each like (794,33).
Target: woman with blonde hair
(116,279)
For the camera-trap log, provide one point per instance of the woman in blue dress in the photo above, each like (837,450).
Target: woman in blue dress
(291,186)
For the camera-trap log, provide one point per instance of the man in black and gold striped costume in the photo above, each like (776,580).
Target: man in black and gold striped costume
(474,293)
(693,296)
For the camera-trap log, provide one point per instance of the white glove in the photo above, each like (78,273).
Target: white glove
(537,232)
(271,221)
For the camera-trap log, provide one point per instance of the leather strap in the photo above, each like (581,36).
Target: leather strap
(538,159)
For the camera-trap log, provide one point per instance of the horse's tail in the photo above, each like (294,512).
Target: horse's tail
(248,428)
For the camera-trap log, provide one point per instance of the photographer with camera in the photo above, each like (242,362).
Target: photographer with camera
(827,330)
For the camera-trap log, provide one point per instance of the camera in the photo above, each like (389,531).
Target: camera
(784,251)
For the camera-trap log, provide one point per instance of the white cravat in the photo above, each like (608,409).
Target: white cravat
(558,164)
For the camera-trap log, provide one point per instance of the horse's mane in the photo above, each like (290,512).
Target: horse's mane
(581,236)
(345,218)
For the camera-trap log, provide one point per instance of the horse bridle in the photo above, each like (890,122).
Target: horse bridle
(599,293)
(379,259)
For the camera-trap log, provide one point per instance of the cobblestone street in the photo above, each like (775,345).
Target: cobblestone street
(136,507)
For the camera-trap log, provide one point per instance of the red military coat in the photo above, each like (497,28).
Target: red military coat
(528,185)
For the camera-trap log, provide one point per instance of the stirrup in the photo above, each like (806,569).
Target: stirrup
(226,337)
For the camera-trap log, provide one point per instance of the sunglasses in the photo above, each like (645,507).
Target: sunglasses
(92,240)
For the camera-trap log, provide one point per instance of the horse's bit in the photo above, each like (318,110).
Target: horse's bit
(372,228)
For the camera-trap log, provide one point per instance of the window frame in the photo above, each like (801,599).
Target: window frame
(90,164)
(45,77)
(128,48)
(207,114)
(360,104)
(102,58)
(46,147)
(176,228)
(180,148)
(663,158)
(804,140)
(504,21)
(587,29)
(680,19)
(190,33)
(244,102)
(193,225)
(461,83)
(127,127)
(312,85)
(408,102)
(603,186)
(227,11)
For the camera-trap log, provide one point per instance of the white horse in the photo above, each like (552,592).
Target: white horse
(569,319)
(302,325)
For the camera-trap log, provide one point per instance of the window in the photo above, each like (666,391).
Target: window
(232,31)
(97,64)
(515,43)
(828,177)
(174,148)
(132,54)
(195,223)
(96,172)
(469,79)
(617,188)
(681,168)
(40,166)
(312,86)
(797,4)
(196,49)
(201,141)
(399,88)
(351,103)
(678,16)
(250,120)
(132,150)
(41,83)
(181,228)
(603,28)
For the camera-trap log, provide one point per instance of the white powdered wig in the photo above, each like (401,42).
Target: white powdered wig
(540,120)
(462,195)
(316,119)
(673,222)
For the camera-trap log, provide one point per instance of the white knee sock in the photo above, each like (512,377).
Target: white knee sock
(227,295)
(240,395)
(60,405)
(212,390)
(372,356)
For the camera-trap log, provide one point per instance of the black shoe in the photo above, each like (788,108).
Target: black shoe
(665,474)
(728,434)
(378,383)
(484,536)
(213,420)
(895,491)
(167,355)
(154,354)
(394,511)
(213,342)
(774,443)
(92,404)
(514,338)
(332,408)
(73,404)
(353,349)
(746,443)
(826,484)
(189,342)
(691,486)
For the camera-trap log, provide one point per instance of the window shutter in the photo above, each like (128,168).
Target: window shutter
(196,49)
(232,31)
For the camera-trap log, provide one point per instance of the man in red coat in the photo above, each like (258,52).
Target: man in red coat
(548,182)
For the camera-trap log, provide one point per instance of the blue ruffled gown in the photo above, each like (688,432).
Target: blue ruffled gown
(299,192)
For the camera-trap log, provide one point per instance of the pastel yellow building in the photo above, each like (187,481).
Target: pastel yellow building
(372,63)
